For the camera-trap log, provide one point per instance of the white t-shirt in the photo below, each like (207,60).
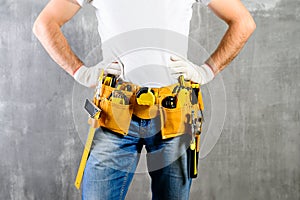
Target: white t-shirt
(142,34)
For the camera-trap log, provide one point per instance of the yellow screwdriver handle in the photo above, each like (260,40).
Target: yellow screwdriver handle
(200,100)
(181,80)
(195,162)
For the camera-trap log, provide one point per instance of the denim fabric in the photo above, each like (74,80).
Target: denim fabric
(114,158)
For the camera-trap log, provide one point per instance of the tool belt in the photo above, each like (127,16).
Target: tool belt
(173,104)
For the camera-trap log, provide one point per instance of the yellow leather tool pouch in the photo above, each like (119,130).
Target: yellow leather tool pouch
(176,121)
(114,116)
(146,112)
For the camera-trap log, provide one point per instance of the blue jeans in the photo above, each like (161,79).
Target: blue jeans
(114,158)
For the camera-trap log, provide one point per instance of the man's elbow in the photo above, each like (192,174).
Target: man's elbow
(250,25)
(44,25)
(39,27)
(244,25)
(35,27)
(247,25)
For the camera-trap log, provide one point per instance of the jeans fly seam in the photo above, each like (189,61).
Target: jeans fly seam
(125,180)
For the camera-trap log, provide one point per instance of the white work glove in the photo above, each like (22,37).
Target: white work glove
(88,76)
(198,74)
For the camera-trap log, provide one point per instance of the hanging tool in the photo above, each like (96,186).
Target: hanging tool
(94,111)
(86,152)
(84,157)
(198,130)
(192,151)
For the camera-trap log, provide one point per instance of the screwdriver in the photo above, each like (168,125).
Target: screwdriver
(98,89)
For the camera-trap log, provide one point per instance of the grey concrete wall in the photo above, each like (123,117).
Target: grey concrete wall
(256,157)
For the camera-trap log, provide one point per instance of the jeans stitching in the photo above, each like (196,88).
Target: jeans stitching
(125,180)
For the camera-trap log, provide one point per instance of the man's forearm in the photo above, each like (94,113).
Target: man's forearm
(232,42)
(55,43)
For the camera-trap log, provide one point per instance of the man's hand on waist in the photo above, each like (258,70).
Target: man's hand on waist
(88,76)
(199,74)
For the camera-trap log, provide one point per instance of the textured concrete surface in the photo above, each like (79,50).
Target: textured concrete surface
(257,156)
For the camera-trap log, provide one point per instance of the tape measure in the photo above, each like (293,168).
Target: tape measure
(145,96)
